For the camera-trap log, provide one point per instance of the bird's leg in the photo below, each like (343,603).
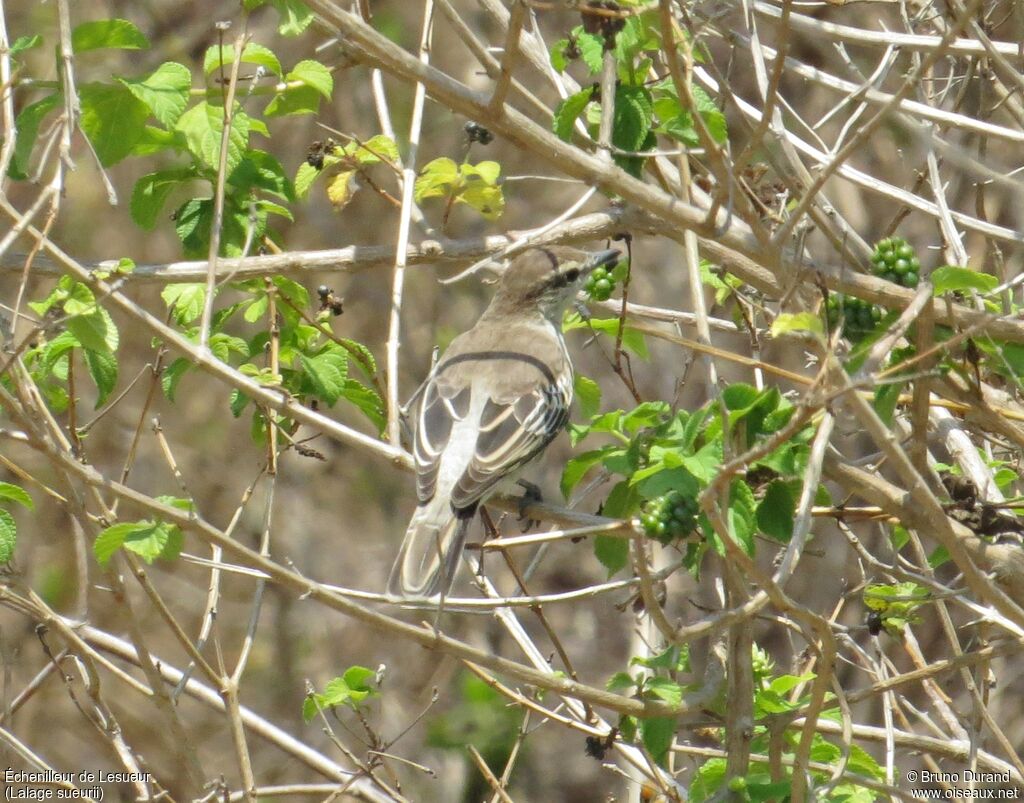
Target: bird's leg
(490,531)
(531,496)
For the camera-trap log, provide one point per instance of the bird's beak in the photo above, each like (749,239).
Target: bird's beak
(599,259)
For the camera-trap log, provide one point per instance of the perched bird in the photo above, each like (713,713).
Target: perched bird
(495,399)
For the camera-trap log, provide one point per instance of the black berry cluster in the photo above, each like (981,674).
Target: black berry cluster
(894,260)
(599,284)
(669,516)
(859,316)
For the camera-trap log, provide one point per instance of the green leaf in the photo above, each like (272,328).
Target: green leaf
(16,494)
(368,401)
(613,553)
(313,74)
(326,373)
(202,126)
(113,118)
(577,467)
(115,33)
(90,330)
(155,140)
(557,55)
(165,91)
(657,734)
(620,682)
(707,780)
(664,689)
(112,538)
(797,322)
(436,179)
(292,101)
(152,191)
(950,278)
(192,222)
(252,53)
(591,49)
(102,367)
(714,119)
(886,398)
(776,512)
(588,395)
(23,43)
(350,689)
(568,111)
(633,117)
(741,515)
(27,128)
(295,16)
(631,338)
(259,169)
(8,536)
(186,300)
(304,178)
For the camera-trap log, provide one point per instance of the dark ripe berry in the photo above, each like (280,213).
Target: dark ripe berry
(323,291)
(477,133)
(874,623)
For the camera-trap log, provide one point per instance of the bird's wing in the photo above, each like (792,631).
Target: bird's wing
(442,407)
(510,435)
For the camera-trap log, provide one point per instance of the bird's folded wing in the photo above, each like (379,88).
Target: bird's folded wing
(510,435)
(507,434)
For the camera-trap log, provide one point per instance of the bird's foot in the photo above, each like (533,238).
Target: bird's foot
(531,496)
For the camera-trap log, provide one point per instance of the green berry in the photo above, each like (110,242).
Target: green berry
(910,280)
(901,266)
(905,251)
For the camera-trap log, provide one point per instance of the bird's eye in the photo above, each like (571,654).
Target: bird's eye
(572,274)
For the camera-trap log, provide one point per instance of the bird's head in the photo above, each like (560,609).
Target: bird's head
(546,279)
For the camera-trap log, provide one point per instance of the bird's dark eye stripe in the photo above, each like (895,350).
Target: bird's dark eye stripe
(552,257)
(572,274)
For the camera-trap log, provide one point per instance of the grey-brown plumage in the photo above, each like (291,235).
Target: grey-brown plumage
(495,399)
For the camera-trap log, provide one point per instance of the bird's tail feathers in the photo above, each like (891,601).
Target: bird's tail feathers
(429,557)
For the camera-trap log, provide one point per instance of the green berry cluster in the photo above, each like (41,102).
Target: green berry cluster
(599,284)
(669,516)
(859,316)
(895,261)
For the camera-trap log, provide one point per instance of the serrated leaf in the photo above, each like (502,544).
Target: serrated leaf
(634,114)
(294,100)
(23,43)
(707,780)
(591,49)
(172,375)
(568,111)
(112,538)
(90,330)
(27,128)
(341,187)
(776,511)
(151,193)
(102,367)
(192,222)
(436,179)
(16,494)
(557,55)
(806,322)
(741,515)
(252,53)
(373,151)
(185,300)
(113,118)
(657,734)
(577,467)
(613,553)
(588,395)
(202,126)
(295,16)
(114,33)
(368,401)
(950,278)
(326,373)
(259,169)
(8,536)
(304,178)
(313,74)
(165,91)
(664,689)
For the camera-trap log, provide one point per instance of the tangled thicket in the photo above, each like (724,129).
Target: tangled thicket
(785,562)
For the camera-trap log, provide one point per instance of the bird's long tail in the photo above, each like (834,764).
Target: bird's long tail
(429,557)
